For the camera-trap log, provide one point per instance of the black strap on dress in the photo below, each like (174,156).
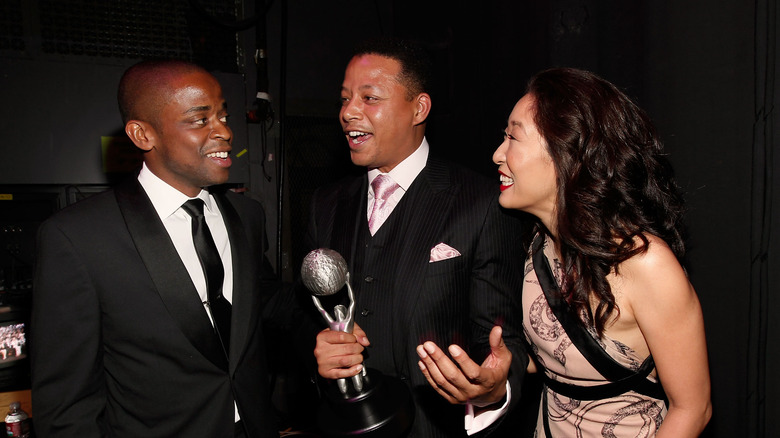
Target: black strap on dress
(621,379)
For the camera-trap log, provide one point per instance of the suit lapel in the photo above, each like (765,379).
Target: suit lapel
(244,300)
(430,205)
(168,273)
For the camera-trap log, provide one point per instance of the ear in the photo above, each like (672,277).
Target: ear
(423,108)
(141,133)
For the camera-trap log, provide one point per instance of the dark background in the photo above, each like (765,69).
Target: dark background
(704,70)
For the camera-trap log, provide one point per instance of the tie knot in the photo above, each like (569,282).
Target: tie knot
(194,207)
(383,186)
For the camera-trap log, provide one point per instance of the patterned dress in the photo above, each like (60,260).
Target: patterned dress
(629,414)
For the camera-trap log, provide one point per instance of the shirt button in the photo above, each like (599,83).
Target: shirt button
(369,279)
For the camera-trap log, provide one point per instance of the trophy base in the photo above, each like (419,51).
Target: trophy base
(383,409)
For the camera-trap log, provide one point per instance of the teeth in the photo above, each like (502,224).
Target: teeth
(507,181)
(355,133)
(217,155)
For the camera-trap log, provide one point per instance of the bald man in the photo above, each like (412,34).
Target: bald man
(125,341)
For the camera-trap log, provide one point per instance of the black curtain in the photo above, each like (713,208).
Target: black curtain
(762,333)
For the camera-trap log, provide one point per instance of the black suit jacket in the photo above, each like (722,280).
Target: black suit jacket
(452,301)
(121,344)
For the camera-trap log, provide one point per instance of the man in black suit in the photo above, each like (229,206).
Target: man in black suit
(442,265)
(122,334)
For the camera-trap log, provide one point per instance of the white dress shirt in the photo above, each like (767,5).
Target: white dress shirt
(167,201)
(403,174)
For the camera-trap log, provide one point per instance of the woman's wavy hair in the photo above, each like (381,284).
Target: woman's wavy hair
(614,182)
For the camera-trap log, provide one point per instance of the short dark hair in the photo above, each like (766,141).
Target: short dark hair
(145,87)
(416,65)
(615,183)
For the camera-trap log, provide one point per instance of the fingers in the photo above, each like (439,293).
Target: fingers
(470,369)
(457,381)
(460,379)
(360,335)
(496,338)
(432,361)
(338,354)
(500,355)
(494,370)
(435,385)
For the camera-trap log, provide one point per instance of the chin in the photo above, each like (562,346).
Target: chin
(359,160)
(509,203)
(217,181)
(504,200)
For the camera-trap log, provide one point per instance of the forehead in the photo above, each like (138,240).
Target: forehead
(522,113)
(190,82)
(194,89)
(371,69)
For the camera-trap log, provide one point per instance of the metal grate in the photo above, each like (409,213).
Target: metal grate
(116,29)
(121,29)
(11,26)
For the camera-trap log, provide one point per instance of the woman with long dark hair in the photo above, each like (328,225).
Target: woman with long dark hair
(614,324)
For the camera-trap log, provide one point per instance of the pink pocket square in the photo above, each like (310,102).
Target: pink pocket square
(443,251)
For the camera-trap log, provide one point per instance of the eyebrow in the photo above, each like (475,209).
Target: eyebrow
(361,87)
(511,124)
(197,109)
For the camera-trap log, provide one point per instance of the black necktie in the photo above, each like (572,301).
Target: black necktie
(212,268)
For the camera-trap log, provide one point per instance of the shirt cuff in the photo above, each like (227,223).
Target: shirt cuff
(477,422)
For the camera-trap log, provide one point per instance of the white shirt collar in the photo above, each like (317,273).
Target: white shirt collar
(166,199)
(407,170)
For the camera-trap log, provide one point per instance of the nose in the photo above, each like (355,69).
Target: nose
(350,110)
(221,131)
(499,156)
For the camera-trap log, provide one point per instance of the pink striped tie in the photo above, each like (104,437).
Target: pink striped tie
(384,187)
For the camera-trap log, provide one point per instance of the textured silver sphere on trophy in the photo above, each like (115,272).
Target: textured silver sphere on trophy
(324,271)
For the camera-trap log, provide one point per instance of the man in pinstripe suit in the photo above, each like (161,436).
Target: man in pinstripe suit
(444,266)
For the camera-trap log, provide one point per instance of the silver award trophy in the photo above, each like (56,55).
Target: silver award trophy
(369,404)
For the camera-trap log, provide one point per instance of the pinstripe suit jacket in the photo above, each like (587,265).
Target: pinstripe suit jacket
(457,300)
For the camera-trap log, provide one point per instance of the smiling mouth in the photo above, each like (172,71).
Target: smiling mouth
(221,155)
(506,182)
(357,137)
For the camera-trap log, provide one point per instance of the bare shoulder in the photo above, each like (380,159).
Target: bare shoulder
(656,275)
(657,255)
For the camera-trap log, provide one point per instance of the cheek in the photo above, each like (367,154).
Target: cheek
(546,184)
(533,177)
(514,160)
(375,118)
(189,149)
(390,120)
(551,176)
(542,173)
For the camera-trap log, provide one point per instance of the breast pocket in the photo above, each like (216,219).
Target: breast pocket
(448,266)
